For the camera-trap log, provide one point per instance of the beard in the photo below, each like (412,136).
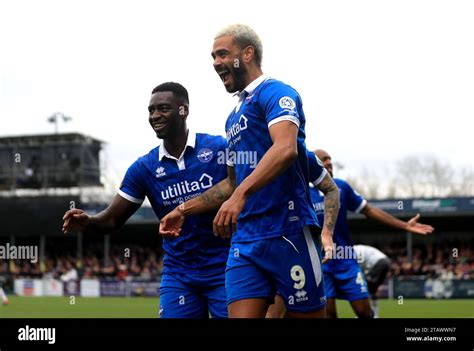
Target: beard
(239,75)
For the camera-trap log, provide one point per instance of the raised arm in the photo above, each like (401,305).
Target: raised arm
(411,226)
(110,219)
(276,160)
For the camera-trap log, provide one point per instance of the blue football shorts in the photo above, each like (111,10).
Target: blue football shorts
(287,264)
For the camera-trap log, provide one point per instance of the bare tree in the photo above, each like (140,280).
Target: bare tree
(367,184)
(372,184)
(428,176)
(465,186)
(414,176)
(356,183)
(440,177)
(409,176)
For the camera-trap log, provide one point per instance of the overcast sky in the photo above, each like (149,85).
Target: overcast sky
(379,79)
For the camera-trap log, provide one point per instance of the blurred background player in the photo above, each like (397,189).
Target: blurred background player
(375,265)
(2,293)
(266,207)
(183,166)
(343,278)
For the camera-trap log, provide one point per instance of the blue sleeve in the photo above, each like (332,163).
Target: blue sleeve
(354,201)
(223,148)
(132,187)
(317,172)
(280,102)
(222,144)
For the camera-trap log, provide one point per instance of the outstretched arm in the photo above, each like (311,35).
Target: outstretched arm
(112,218)
(411,226)
(331,210)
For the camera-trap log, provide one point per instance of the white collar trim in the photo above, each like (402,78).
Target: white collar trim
(249,89)
(191,142)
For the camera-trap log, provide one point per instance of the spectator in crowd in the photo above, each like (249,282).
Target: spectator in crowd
(70,274)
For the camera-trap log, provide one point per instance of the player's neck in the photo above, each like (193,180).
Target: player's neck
(176,144)
(253,73)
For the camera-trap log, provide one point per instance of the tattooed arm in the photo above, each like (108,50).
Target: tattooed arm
(170,225)
(331,202)
(212,198)
(331,210)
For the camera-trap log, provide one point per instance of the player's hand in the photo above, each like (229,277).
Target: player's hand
(418,228)
(170,225)
(227,215)
(74,219)
(328,245)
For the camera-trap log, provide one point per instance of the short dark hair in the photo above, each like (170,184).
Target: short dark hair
(176,88)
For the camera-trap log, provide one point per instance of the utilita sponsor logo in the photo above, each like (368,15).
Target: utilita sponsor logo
(236,128)
(185,187)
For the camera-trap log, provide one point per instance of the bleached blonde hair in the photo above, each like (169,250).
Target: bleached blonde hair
(244,36)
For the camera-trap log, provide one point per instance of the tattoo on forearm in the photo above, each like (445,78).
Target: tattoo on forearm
(331,202)
(217,194)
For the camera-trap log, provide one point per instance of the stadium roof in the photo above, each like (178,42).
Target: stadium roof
(42,139)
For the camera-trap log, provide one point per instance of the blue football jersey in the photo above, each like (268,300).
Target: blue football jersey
(284,206)
(167,182)
(350,200)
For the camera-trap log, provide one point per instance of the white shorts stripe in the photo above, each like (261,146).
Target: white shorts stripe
(313,255)
(290,243)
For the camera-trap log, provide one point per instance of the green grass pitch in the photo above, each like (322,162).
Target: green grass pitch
(142,307)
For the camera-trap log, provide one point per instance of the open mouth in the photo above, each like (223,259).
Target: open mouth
(158,126)
(225,76)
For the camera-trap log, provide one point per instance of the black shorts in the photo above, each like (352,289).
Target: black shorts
(376,276)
